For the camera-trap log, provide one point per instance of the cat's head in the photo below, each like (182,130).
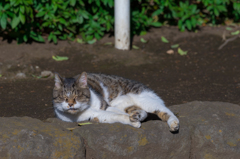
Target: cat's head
(71,95)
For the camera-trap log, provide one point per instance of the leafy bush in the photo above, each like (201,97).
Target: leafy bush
(26,20)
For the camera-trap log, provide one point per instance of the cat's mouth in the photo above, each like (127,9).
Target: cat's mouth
(73,110)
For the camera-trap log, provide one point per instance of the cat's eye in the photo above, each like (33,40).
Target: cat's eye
(66,100)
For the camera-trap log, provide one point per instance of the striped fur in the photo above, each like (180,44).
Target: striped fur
(107,99)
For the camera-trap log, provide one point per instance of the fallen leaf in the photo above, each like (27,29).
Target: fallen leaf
(235,33)
(87,123)
(36,76)
(60,58)
(0,75)
(143,33)
(181,52)
(80,41)
(170,52)
(92,41)
(45,76)
(228,28)
(135,47)
(143,40)
(71,129)
(174,46)
(164,39)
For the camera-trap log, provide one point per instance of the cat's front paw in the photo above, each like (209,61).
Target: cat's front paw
(174,125)
(136,124)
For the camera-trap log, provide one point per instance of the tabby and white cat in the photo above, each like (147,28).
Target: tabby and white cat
(107,99)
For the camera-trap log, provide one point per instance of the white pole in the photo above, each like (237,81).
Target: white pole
(122,24)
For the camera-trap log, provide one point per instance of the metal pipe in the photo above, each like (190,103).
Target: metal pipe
(122,24)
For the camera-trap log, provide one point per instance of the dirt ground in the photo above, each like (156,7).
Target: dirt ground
(204,74)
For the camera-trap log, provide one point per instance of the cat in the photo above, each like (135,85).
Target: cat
(107,99)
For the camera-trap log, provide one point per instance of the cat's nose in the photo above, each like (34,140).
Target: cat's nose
(70,104)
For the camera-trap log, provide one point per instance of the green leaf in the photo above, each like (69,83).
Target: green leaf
(40,38)
(6,6)
(15,22)
(4,21)
(156,24)
(63,21)
(157,12)
(143,33)
(81,124)
(216,12)
(174,46)
(72,2)
(0,75)
(235,33)
(92,41)
(71,129)
(54,38)
(164,39)
(228,28)
(25,38)
(36,37)
(22,18)
(22,9)
(57,32)
(80,41)
(143,40)
(40,14)
(189,25)
(36,76)
(181,52)
(135,47)
(60,58)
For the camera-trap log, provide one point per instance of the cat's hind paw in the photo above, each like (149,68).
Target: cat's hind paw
(136,124)
(174,125)
(137,115)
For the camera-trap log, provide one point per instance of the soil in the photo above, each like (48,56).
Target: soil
(204,74)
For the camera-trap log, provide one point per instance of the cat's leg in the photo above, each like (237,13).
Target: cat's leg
(151,103)
(125,104)
(111,117)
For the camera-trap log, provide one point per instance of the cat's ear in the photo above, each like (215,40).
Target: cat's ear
(58,81)
(82,80)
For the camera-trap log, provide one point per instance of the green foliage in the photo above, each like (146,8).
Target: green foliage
(26,20)
(187,15)
(60,19)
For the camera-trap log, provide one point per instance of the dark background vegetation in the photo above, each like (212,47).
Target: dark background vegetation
(27,20)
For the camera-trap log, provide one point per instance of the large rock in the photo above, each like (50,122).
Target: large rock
(27,138)
(152,140)
(215,129)
(207,130)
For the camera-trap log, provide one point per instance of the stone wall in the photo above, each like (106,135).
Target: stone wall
(207,130)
